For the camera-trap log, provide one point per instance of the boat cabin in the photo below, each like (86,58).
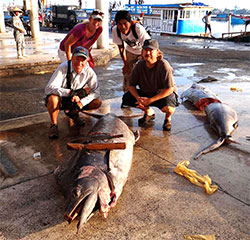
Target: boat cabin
(179,19)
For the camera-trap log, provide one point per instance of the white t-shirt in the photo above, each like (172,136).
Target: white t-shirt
(132,44)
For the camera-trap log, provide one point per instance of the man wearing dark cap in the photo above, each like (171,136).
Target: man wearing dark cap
(72,87)
(154,77)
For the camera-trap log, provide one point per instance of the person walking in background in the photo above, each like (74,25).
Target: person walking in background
(156,87)
(83,34)
(19,32)
(207,20)
(129,36)
(72,87)
(140,18)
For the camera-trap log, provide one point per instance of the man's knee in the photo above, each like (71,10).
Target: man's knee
(53,101)
(168,110)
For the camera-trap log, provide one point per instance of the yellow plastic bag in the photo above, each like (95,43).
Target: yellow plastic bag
(200,237)
(236,89)
(195,178)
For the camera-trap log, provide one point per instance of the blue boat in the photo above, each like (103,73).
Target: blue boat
(178,19)
(221,17)
(238,19)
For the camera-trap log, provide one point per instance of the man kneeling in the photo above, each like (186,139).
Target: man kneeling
(72,87)
(154,77)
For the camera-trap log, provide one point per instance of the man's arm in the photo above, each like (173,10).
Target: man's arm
(134,92)
(124,58)
(117,40)
(56,82)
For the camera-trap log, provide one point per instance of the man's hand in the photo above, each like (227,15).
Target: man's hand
(143,102)
(81,93)
(75,99)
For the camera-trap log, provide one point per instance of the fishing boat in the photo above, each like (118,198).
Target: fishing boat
(239,19)
(221,17)
(177,19)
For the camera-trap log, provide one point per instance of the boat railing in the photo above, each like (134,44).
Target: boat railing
(154,23)
(232,34)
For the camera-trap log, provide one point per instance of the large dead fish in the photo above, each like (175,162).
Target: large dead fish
(95,178)
(223,119)
(199,96)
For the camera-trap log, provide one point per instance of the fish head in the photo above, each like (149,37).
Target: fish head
(82,200)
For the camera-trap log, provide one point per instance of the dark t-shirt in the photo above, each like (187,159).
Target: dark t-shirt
(152,80)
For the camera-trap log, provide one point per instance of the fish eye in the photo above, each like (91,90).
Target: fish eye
(76,192)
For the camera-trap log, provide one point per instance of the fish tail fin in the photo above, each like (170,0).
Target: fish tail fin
(210,148)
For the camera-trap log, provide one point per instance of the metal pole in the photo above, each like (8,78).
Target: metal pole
(103,40)
(229,24)
(2,24)
(34,21)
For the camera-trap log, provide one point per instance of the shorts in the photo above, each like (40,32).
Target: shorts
(65,104)
(171,100)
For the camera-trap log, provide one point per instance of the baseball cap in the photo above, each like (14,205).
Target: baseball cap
(81,51)
(97,14)
(16,9)
(150,43)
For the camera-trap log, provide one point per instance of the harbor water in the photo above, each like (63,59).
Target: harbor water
(220,27)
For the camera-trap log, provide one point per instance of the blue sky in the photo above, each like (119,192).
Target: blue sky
(91,3)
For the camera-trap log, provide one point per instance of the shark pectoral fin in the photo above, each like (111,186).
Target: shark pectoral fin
(210,148)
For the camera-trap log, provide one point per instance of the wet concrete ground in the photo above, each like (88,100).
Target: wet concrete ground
(156,203)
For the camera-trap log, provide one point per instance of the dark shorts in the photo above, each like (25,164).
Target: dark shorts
(66,103)
(171,100)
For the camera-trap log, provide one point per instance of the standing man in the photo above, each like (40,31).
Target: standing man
(19,32)
(140,18)
(72,87)
(154,77)
(129,36)
(207,20)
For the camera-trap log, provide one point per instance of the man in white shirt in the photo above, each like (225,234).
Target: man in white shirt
(129,36)
(72,87)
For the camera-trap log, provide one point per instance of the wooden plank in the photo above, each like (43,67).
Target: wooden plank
(96,146)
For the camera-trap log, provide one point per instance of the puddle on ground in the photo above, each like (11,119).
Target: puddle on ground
(114,64)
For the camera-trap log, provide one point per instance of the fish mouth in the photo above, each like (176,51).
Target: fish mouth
(75,208)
